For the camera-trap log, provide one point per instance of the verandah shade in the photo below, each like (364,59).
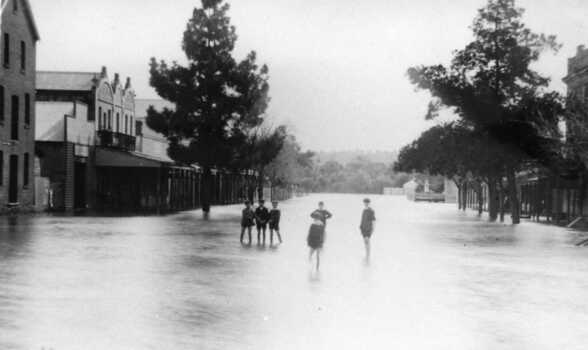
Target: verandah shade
(114,158)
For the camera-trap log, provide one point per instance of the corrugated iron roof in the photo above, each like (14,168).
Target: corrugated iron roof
(66,81)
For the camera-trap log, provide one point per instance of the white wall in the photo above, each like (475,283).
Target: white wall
(49,123)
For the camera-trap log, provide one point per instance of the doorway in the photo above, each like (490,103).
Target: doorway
(80,186)
(13,180)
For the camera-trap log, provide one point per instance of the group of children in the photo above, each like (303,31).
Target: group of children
(262,218)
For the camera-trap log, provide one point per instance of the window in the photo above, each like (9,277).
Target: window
(26,169)
(27,109)
(1,168)
(2,104)
(14,118)
(126,124)
(117,122)
(139,128)
(6,50)
(15,5)
(23,56)
(131,125)
(99,118)
(109,120)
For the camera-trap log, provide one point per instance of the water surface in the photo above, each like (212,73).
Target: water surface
(438,279)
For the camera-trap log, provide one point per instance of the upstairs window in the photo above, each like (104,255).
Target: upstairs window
(109,120)
(117,122)
(131,125)
(27,109)
(23,56)
(15,5)
(2,97)
(1,168)
(126,124)
(14,118)
(26,169)
(92,115)
(6,51)
(138,128)
(99,118)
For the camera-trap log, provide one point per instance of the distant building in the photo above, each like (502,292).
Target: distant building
(450,191)
(410,189)
(17,97)
(393,191)
(577,86)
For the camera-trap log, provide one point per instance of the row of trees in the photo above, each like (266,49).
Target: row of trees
(507,119)
(220,104)
(360,175)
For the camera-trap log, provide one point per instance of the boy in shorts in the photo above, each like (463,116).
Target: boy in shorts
(274,222)
(368,217)
(247,221)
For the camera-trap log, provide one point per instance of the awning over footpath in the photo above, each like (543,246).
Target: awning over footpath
(120,159)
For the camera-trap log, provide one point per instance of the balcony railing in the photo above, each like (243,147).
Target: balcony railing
(107,138)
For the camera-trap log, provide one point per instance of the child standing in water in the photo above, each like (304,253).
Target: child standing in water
(247,221)
(274,222)
(261,218)
(316,233)
(315,240)
(368,217)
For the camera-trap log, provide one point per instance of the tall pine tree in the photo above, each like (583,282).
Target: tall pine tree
(217,99)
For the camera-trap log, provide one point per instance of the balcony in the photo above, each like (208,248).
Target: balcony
(107,138)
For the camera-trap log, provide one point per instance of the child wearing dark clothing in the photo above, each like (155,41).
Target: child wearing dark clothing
(247,221)
(261,218)
(274,222)
(368,217)
(321,214)
(316,233)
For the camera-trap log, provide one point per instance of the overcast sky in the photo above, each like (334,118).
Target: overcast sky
(337,66)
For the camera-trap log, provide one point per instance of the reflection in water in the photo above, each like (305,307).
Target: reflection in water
(437,279)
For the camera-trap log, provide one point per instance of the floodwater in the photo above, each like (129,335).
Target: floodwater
(438,279)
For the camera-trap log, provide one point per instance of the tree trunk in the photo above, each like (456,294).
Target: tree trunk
(493,200)
(515,210)
(260,183)
(205,189)
(459,195)
(464,196)
(501,199)
(480,195)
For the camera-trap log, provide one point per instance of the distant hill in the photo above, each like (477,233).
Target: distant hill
(344,157)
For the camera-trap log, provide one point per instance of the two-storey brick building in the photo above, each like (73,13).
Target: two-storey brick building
(18,39)
(78,115)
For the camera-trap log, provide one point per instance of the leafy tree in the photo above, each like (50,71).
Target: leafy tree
(217,99)
(491,86)
(459,153)
(291,166)
(264,146)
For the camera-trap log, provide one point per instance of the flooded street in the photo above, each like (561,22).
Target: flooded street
(438,279)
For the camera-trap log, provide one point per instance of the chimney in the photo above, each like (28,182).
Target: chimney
(103,73)
(128,84)
(116,79)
